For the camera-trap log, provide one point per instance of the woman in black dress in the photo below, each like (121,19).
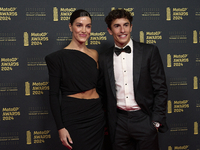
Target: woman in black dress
(74,71)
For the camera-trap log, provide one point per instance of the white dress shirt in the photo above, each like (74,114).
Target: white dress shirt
(123,72)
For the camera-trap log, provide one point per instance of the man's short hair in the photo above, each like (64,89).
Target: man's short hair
(116,14)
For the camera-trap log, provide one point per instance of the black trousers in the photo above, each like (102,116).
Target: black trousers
(135,131)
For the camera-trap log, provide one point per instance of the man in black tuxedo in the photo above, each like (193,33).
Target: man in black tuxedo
(132,80)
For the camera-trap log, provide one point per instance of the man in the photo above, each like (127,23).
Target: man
(135,87)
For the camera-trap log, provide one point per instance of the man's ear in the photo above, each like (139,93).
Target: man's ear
(131,27)
(109,31)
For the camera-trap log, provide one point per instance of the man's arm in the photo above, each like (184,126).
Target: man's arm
(101,88)
(159,87)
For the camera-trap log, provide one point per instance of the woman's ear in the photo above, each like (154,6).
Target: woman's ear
(70,27)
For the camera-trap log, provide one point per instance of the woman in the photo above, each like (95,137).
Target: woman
(74,71)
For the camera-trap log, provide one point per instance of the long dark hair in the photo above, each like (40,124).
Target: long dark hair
(79,13)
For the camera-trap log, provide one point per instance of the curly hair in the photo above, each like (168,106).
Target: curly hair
(117,13)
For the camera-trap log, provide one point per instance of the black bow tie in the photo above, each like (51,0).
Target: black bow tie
(118,51)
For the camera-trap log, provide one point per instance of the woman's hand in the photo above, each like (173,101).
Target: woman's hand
(64,135)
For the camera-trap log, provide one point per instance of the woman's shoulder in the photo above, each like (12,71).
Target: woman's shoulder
(94,54)
(55,55)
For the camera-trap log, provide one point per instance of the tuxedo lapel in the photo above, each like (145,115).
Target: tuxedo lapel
(137,61)
(109,61)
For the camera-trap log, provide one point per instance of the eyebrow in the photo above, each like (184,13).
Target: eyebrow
(117,24)
(82,23)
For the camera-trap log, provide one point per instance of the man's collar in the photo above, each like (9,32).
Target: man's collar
(130,43)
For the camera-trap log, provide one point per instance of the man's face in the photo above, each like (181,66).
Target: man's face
(121,31)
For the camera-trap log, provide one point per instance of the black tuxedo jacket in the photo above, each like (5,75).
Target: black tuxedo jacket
(149,84)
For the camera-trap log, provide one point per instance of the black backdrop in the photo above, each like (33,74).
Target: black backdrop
(29,30)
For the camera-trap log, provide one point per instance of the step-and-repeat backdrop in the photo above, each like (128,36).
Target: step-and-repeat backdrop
(29,30)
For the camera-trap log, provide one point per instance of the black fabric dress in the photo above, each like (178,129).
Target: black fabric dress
(71,71)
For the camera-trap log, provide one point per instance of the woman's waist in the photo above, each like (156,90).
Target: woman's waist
(89,94)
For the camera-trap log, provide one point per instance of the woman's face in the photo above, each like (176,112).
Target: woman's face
(81,29)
